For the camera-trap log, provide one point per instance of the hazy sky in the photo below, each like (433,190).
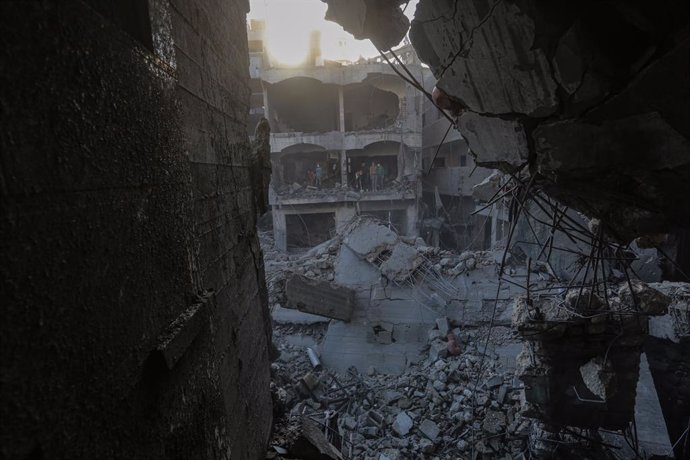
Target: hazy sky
(288,23)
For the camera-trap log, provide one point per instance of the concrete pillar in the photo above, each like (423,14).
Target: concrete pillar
(401,158)
(279,229)
(341,126)
(343,167)
(341,110)
(411,221)
(494,225)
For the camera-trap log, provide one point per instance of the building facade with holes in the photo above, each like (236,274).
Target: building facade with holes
(346,140)
(451,217)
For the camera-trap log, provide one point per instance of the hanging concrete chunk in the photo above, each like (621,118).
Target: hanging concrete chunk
(319,297)
(380,21)
(599,377)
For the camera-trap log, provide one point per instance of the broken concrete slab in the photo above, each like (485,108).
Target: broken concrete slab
(402,262)
(319,297)
(488,188)
(495,142)
(370,238)
(346,345)
(651,426)
(381,22)
(354,272)
(291,316)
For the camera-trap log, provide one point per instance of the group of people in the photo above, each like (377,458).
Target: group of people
(314,177)
(376,174)
(366,178)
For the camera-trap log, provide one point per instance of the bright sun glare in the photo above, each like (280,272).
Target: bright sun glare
(290,22)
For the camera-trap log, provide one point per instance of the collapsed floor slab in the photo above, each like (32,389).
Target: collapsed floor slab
(319,297)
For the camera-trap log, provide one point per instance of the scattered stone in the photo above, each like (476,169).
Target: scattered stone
(402,424)
(438,349)
(429,429)
(391,396)
(443,326)
(426,446)
(494,422)
(494,382)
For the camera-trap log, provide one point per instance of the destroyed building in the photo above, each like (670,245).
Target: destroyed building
(136,286)
(360,125)
(449,176)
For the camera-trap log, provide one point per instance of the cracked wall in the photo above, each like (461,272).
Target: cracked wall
(126,192)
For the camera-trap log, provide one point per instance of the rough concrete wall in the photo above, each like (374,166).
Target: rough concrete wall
(116,210)
(211,47)
(587,95)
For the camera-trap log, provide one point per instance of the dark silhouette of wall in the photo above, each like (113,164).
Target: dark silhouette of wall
(134,308)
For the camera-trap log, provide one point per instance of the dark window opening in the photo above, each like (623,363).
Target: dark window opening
(302,104)
(367,107)
(309,230)
(439,162)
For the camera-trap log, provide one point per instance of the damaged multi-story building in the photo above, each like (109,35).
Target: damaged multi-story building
(451,217)
(135,320)
(346,140)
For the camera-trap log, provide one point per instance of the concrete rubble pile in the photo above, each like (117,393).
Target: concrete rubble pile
(400,380)
(395,257)
(447,406)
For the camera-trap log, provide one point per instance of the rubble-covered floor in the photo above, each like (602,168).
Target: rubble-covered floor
(420,357)
(441,407)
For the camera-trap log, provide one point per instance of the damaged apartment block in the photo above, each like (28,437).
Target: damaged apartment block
(345,140)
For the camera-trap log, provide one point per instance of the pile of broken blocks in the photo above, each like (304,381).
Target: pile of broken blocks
(397,258)
(457,403)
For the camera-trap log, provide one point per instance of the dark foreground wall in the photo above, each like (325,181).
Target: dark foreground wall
(124,193)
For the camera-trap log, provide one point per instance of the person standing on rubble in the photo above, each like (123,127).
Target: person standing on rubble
(379,176)
(319,175)
(365,176)
(372,176)
(358,179)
